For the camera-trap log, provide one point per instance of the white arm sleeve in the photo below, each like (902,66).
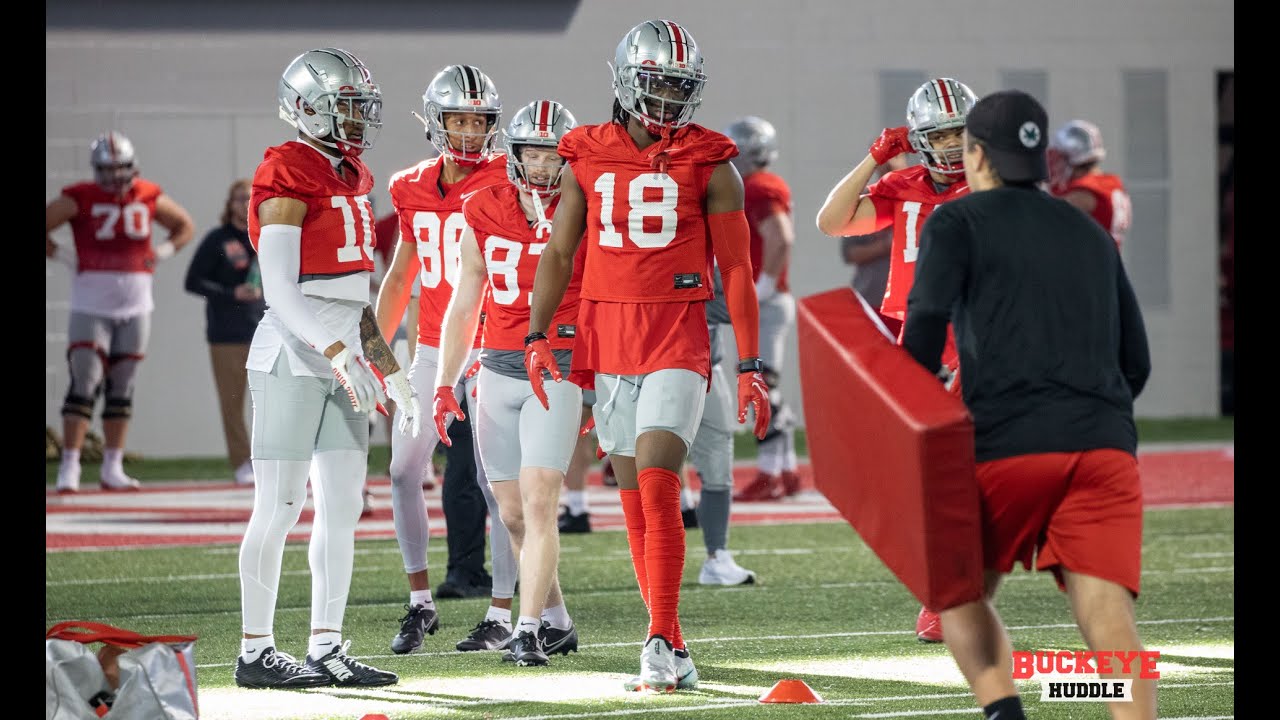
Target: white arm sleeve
(279,259)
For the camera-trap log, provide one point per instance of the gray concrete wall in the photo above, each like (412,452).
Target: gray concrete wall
(194,87)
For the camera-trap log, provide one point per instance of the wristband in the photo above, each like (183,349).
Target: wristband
(751,365)
(534,336)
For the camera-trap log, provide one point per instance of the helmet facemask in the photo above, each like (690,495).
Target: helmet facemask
(115,178)
(944,160)
(542,176)
(443,139)
(660,98)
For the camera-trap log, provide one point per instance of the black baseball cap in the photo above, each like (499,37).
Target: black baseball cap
(1014,128)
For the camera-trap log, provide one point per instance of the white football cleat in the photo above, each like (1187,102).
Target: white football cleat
(686,674)
(720,569)
(658,665)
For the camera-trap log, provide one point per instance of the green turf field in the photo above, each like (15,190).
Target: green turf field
(826,610)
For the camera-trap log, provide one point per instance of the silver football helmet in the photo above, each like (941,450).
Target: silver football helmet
(757,143)
(940,104)
(657,75)
(1079,141)
(461,89)
(328,95)
(114,164)
(541,123)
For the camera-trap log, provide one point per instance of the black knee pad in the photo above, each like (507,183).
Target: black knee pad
(117,408)
(78,405)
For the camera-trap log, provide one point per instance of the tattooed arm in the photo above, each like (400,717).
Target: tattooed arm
(376,350)
(379,355)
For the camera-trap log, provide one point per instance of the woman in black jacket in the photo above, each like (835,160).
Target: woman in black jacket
(224,271)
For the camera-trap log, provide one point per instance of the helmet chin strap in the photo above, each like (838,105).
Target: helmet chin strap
(542,227)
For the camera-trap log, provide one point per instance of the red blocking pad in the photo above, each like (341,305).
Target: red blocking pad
(891,449)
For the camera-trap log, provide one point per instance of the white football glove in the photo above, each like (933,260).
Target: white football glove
(362,387)
(407,407)
(766,287)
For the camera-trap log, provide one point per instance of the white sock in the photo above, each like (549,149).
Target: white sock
(502,615)
(577,500)
(527,624)
(322,644)
(113,461)
(789,460)
(251,648)
(421,597)
(558,617)
(688,500)
(70,458)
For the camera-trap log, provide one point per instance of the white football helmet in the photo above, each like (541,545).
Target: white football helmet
(940,104)
(114,164)
(657,75)
(541,123)
(461,89)
(757,143)
(336,87)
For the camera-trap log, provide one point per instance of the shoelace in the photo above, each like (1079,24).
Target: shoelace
(272,659)
(411,613)
(484,625)
(354,664)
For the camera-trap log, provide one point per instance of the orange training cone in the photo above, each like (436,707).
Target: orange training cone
(791,691)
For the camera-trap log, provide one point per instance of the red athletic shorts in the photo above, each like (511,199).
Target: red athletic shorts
(1081,511)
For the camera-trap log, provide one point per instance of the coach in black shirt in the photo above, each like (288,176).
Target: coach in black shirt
(1052,353)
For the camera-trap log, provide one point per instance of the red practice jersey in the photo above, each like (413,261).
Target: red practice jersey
(648,254)
(1111,207)
(766,196)
(903,199)
(511,250)
(113,232)
(337,236)
(432,220)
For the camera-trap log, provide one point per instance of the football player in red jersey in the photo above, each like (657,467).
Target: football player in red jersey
(462,114)
(768,207)
(524,448)
(655,196)
(309,365)
(903,199)
(111,223)
(1075,174)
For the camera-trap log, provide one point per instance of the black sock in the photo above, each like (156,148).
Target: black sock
(1009,708)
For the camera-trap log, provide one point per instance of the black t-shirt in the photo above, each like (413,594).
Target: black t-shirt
(1052,344)
(222,262)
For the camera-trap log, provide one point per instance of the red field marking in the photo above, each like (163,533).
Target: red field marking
(214,513)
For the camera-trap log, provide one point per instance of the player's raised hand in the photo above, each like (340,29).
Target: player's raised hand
(753,392)
(538,357)
(891,143)
(444,405)
(363,388)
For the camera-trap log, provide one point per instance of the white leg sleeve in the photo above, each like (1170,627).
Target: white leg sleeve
(336,487)
(280,491)
(410,460)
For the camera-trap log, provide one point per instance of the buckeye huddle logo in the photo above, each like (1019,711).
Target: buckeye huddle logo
(1074,675)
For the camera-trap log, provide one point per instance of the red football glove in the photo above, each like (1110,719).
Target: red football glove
(587,426)
(754,391)
(538,357)
(891,143)
(472,372)
(444,405)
